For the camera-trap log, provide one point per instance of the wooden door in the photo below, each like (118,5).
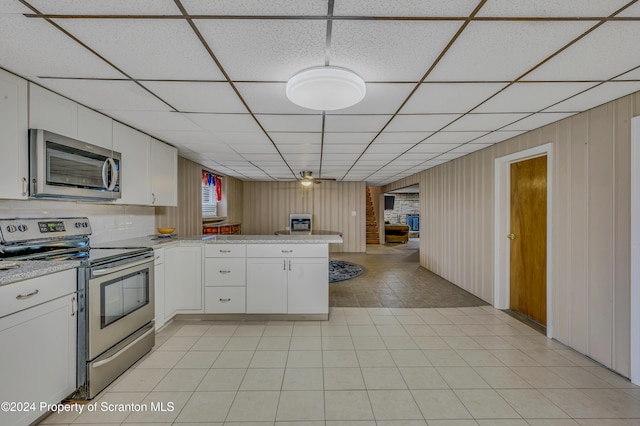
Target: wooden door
(528,248)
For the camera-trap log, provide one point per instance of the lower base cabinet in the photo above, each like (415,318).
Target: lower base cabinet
(183,279)
(38,358)
(266,286)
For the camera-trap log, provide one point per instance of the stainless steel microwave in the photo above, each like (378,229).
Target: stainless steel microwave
(62,167)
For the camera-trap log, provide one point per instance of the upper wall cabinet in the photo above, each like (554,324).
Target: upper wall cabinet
(52,112)
(149,168)
(14,161)
(95,128)
(163,164)
(134,164)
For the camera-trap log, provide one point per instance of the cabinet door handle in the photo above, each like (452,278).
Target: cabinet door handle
(153,198)
(225,300)
(284,264)
(74,306)
(25,186)
(26,296)
(225,272)
(289,264)
(287,251)
(225,251)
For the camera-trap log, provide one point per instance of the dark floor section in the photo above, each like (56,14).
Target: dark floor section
(393,278)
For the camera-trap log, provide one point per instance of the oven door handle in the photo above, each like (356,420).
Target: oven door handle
(123,350)
(105,271)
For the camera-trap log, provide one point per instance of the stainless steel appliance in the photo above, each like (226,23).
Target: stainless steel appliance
(115,294)
(62,167)
(300,222)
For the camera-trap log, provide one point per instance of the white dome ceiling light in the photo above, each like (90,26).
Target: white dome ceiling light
(326,88)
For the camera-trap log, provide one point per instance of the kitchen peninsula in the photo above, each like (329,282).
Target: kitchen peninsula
(277,277)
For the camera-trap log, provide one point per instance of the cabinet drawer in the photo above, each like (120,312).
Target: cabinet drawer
(225,250)
(287,250)
(38,290)
(224,300)
(224,272)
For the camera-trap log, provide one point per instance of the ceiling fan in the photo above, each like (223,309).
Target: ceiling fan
(308,179)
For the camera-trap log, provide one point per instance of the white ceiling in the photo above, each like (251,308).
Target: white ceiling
(443,78)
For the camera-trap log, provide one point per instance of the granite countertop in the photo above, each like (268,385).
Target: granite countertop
(33,268)
(155,242)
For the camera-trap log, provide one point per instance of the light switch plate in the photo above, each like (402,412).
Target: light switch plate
(353,212)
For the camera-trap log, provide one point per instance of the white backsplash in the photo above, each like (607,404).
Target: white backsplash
(109,222)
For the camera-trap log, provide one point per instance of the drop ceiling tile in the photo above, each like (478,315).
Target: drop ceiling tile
(198,96)
(413,8)
(631,75)
(429,148)
(381,98)
(291,123)
(37,48)
(470,147)
(256,7)
(449,156)
(401,137)
(154,120)
(597,96)
(343,157)
(355,123)
(602,54)
(343,148)
(209,149)
(197,137)
(632,11)
(295,138)
(538,120)
(502,51)
(495,137)
(449,97)
(225,122)
(302,148)
(12,6)
(420,123)
(266,97)
(550,8)
(483,122)
(388,148)
(170,45)
(408,160)
(260,159)
(349,138)
(107,95)
(111,7)
(389,50)
(248,148)
(265,50)
(234,138)
(531,97)
(454,137)
(375,156)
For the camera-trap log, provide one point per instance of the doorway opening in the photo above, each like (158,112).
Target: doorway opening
(402,216)
(505,237)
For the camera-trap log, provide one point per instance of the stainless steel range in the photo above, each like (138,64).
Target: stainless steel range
(115,293)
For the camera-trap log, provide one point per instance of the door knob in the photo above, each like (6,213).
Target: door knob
(511,236)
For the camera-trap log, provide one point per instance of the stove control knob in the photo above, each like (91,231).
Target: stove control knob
(85,224)
(11,228)
(22,228)
(77,225)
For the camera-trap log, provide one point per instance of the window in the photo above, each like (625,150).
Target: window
(211,194)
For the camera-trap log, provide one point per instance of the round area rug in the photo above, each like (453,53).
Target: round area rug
(339,270)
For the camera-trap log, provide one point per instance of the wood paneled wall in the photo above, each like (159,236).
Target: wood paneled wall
(267,206)
(590,225)
(187,216)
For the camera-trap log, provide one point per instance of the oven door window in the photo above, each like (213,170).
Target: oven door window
(123,295)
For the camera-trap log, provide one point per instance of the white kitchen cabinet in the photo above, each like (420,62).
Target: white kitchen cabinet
(159,286)
(266,285)
(14,162)
(38,345)
(95,128)
(134,164)
(52,112)
(163,163)
(288,278)
(225,278)
(183,279)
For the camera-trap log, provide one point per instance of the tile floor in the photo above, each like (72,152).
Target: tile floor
(367,367)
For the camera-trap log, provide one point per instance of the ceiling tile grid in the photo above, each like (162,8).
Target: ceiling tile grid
(436,89)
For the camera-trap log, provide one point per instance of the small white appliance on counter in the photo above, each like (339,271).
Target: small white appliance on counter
(300,223)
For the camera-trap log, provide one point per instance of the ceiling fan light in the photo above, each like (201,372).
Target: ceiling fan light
(306,182)
(326,88)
